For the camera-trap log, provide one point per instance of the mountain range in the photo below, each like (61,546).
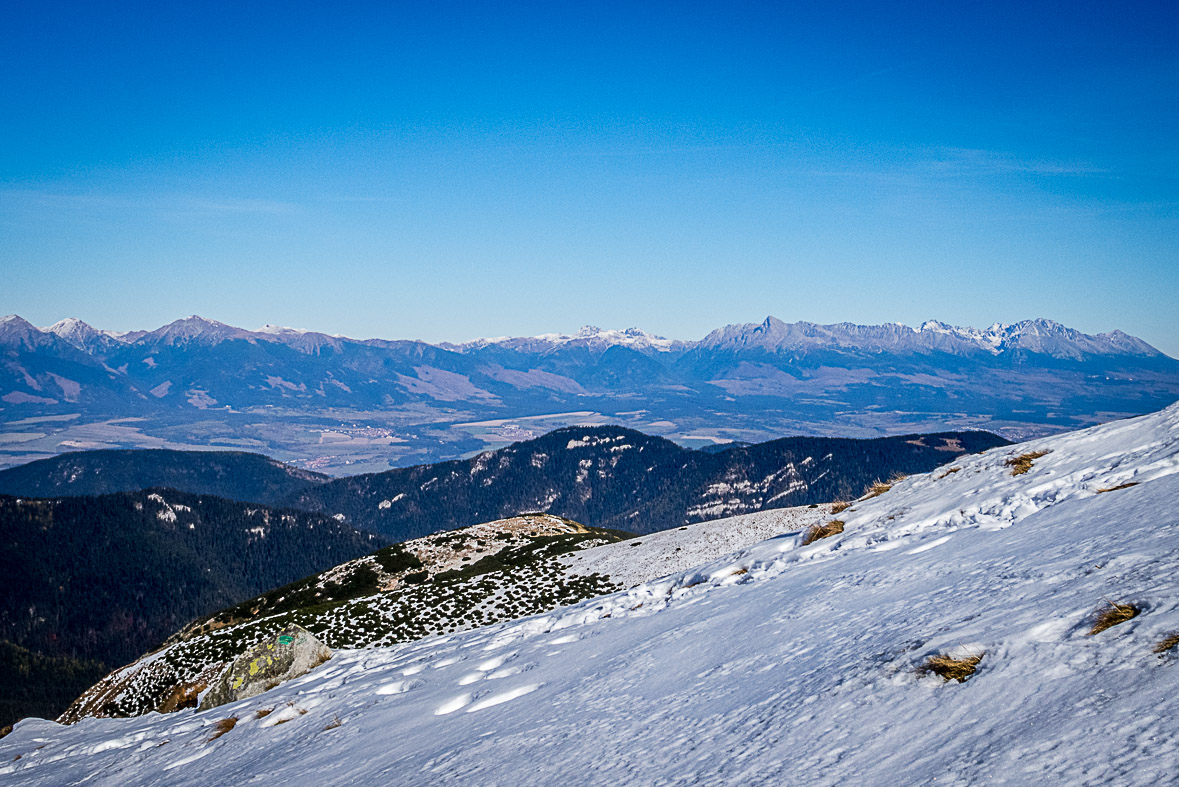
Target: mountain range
(1010,617)
(104,559)
(343,405)
(603,476)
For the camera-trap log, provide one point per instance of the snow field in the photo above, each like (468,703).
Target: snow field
(780,664)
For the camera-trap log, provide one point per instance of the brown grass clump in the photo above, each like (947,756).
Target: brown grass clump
(1112,615)
(878,488)
(300,711)
(183,696)
(1023,463)
(335,722)
(949,472)
(1126,485)
(949,668)
(815,532)
(262,713)
(222,727)
(1167,642)
(840,507)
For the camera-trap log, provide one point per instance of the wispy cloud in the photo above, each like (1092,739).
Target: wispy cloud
(953,160)
(228,206)
(161,204)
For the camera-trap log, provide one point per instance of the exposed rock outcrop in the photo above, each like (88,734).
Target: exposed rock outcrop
(292,652)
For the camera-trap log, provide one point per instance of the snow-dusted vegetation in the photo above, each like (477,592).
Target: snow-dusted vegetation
(951,631)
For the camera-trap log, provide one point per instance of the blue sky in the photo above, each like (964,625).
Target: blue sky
(447,170)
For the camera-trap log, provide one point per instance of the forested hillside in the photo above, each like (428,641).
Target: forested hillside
(612,477)
(234,475)
(106,578)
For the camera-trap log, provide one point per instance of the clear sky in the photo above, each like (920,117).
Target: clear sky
(447,170)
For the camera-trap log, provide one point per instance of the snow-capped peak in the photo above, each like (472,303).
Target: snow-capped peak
(279,330)
(14,320)
(196,329)
(72,330)
(16,330)
(935,326)
(590,336)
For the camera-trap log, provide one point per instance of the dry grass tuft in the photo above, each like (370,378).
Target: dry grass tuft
(300,711)
(840,507)
(1167,642)
(335,722)
(950,668)
(951,471)
(878,488)
(1023,463)
(222,727)
(262,713)
(183,696)
(815,532)
(1111,615)
(1126,485)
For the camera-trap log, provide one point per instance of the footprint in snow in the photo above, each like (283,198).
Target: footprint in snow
(495,662)
(507,672)
(492,669)
(565,640)
(502,697)
(929,546)
(399,686)
(458,703)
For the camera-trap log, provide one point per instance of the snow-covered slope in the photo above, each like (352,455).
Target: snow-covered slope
(782,663)
(445,582)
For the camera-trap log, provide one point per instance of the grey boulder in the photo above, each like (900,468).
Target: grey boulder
(292,652)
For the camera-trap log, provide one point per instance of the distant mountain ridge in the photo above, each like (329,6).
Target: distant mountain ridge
(328,402)
(234,475)
(611,477)
(1037,336)
(606,477)
(1033,335)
